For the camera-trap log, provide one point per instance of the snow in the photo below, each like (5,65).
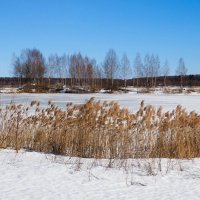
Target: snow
(8,90)
(130,100)
(31,175)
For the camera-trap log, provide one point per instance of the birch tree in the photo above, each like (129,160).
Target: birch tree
(111,66)
(138,68)
(125,68)
(181,71)
(166,71)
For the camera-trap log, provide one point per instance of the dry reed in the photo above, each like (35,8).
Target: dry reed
(101,130)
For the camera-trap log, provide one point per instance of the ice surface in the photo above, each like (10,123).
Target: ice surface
(131,100)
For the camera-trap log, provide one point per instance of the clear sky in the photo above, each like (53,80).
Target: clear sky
(169,28)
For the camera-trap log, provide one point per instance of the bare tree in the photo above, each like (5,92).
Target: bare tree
(156,69)
(99,76)
(51,66)
(138,69)
(166,71)
(77,69)
(72,66)
(63,67)
(30,64)
(147,69)
(151,68)
(82,71)
(17,69)
(58,67)
(181,71)
(111,66)
(125,68)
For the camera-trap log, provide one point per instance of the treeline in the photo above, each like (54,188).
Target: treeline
(77,70)
(189,80)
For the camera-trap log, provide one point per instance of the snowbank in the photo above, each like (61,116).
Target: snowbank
(30,175)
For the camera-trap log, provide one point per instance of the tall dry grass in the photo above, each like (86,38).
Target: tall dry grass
(101,130)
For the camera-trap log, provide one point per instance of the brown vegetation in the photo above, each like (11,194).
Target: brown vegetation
(101,130)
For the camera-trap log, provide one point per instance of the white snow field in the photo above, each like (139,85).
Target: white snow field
(31,175)
(130,100)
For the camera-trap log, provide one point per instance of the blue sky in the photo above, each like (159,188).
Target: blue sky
(169,28)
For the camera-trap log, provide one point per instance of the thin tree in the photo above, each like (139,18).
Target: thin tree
(125,68)
(138,69)
(156,69)
(166,71)
(110,66)
(147,69)
(151,69)
(17,69)
(181,71)
(63,67)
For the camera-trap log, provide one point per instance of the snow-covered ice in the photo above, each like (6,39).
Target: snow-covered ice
(31,175)
(129,100)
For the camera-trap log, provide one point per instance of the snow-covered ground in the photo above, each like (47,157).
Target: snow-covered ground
(31,175)
(8,90)
(130,100)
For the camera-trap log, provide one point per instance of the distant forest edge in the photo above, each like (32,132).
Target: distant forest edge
(189,81)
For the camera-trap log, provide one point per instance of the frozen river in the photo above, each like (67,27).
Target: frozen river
(129,100)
